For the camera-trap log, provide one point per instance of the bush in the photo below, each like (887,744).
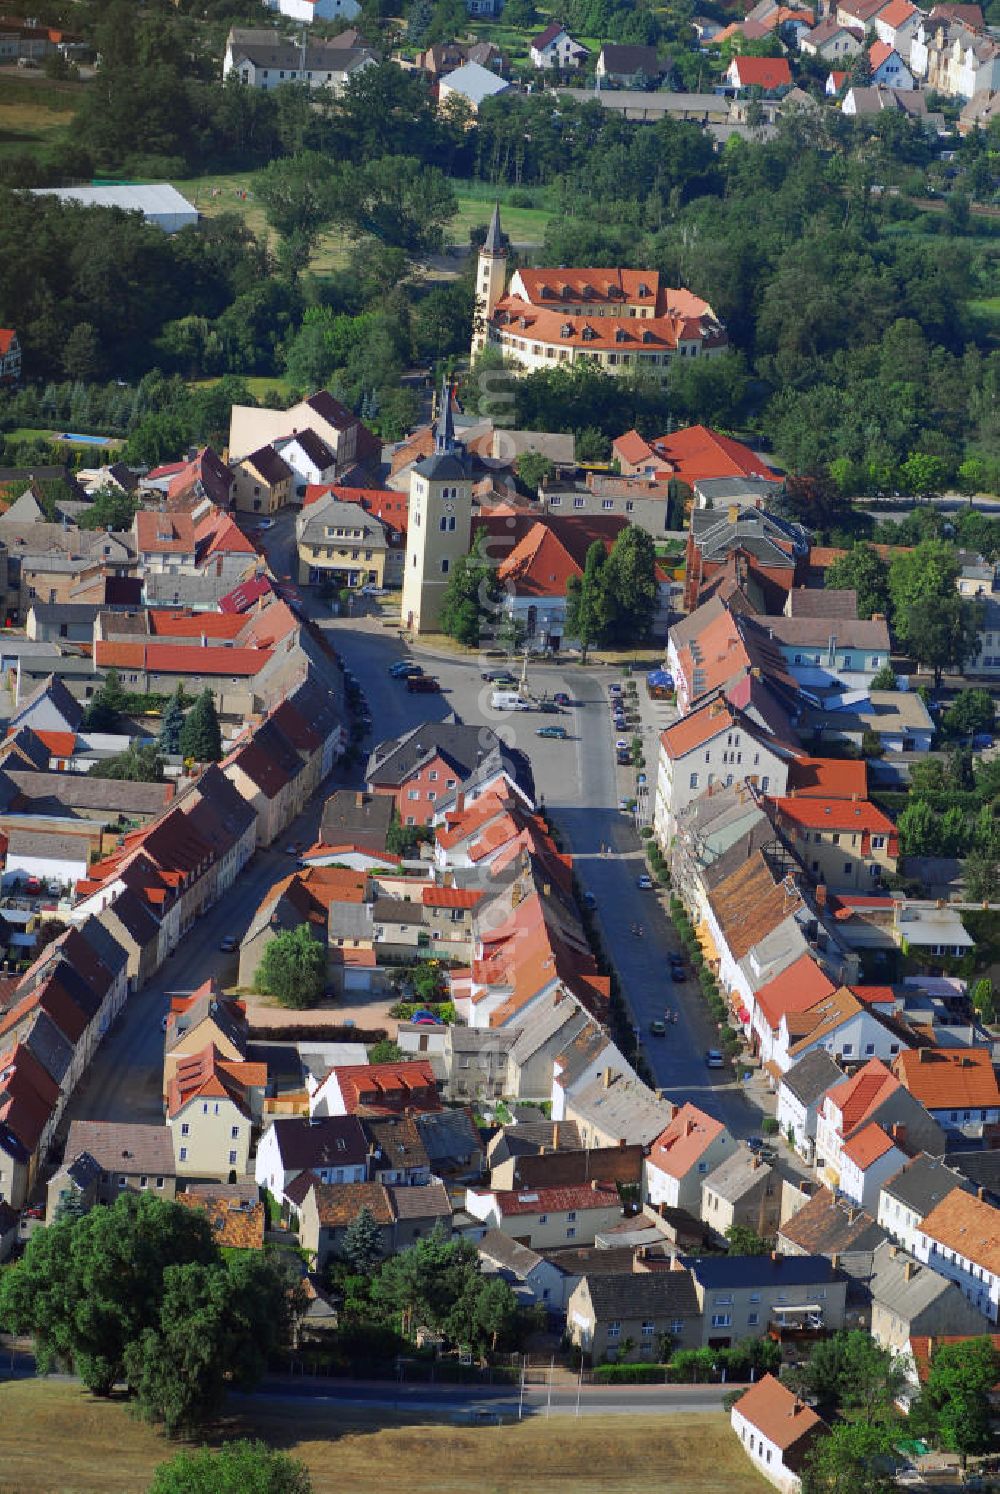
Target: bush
(647,834)
(769,1126)
(630,1374)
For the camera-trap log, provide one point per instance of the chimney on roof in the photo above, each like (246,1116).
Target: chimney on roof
(924,1055)
(460,801)
(755,673)
(607,1077)
(899,1133)
(733,512)
(688,1126)
(359,799)
(754,1163)
(821,894)
(622,1143)
(909,1270)
(555,1136)
(981,1194)
(776,1257)
(595,1185)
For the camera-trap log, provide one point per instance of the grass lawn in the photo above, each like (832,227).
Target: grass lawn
(259,387)
(35,113)
(217,193)
(54,1439)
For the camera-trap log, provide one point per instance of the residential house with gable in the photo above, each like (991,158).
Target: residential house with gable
(744,1191)
(126,1157)
(204,1019)
(800,1094)
(715,746)
(403,1214)
(911,1194)
(619,1316)
(682,1157)
(212,1103)
(846,844)
(777,1430)
(544,1218)
(832,42)
(772,75)
(427,765)
(338,428)
(333,1149)
(888,68)
(956,1086)
(375,1089)
(30,1107)
(896,24)
(871,1096)
(911,1299)
(631,66)
(555,48)
(960,1238)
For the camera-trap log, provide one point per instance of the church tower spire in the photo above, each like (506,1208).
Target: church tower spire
(491,281)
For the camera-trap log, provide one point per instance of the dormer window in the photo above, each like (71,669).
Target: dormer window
(589,334)
(643,288)
(565,330)
(621,335)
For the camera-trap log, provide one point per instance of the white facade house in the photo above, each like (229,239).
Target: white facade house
(960,1241)
(59,859)
(888,68)
(310,459)
(954,60)
(681,1158)
(712,747)
(867,1161)
(315,10)
(906,1199)
(777,1431)
(555,48)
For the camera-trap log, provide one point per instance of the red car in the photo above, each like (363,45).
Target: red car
(422,684)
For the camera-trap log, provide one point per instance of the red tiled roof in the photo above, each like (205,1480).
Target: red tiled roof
(555,1200)
(7,335)
(243,597)
(175,622)
(694,730)
(924,1348)
(59,743)
(835,814)
(680,1145)
(877,54)
(385,503)
(700,453)
(450,897)
(164,534)
(796,989)
(391,1086)
(763,72)
(208,1075)
(968,1225)
(858,1096)
(219,534)
(867,1146)
(949,1078)
(540,565)
(828,778)
(777,1413)
(167,658)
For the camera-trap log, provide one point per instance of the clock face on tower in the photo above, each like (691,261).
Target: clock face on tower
(449,508)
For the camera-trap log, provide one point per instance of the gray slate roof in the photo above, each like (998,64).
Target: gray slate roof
(500,1250)
(737,1175)
(643,1294)
(812,1076)
(904,1296)
(123,1147)
(923,1183)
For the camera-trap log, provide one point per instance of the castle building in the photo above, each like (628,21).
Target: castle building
(440,522)
(621,321)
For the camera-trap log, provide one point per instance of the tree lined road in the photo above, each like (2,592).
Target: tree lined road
(577,782)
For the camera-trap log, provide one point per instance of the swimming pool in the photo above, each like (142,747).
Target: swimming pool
(83,440)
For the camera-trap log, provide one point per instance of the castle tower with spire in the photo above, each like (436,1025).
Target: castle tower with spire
(491,281)
(439,526)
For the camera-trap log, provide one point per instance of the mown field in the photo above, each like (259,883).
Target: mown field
(215,193)
(54,1439)
(35,113)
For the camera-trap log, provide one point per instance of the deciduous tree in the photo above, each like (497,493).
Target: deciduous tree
(293,968)
(862,570)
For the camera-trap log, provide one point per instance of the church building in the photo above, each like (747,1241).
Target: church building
(622,321)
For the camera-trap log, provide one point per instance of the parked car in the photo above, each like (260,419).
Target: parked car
(492,676)
(561,698)
(590,900)
(547,707)
(621,745)
(658,1028)
(624,758)
(556,733)
(644,883)
(422,684)
(371,590)
(713,1058)
(614,689)
(265,524)
(228,944)
(678,971)
(401,669)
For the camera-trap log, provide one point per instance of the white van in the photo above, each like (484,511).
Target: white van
(509,700)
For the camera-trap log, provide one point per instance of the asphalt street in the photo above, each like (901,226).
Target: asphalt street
(578,782)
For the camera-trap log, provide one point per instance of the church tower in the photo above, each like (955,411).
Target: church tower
(439,526)
(491,281)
